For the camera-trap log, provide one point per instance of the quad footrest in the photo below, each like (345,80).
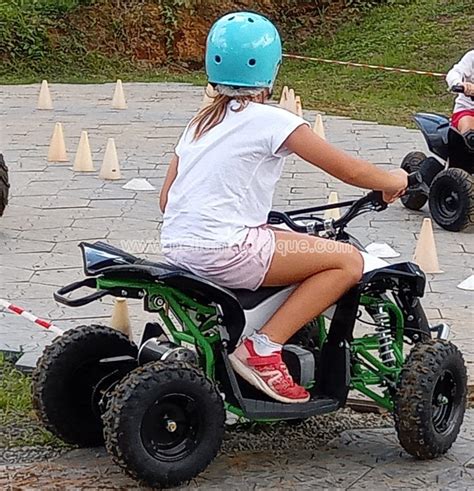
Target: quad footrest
(256,409)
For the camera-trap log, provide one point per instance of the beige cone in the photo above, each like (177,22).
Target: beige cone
(318,127)
(334,212)
(57,147)
(299,107)
(208,96)
(110,166)
(83,160)
(425,252)
(120,319)
(284,97)
(118,100)
(44,98)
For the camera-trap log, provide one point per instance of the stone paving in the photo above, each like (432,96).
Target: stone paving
(357,459)
(52,209)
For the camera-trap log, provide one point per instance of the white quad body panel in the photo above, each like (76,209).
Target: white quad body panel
(255,318)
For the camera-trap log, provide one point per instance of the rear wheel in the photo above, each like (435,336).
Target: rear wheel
(452,199)
(71,377)
(430,399)
(4,185)
(165,423)
(414,200)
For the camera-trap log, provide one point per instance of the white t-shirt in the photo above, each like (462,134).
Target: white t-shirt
(226,178)
(462,72)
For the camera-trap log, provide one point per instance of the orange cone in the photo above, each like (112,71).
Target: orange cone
(83,160)
(110,169)
(57,147)
(425,252)
(120,319)
(44,98)
(318,127)
(118,100)
(333,212)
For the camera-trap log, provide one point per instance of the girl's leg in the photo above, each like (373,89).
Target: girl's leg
(325,270)
(466,124)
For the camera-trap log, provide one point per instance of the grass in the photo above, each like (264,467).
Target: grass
(418,34)
(18,423)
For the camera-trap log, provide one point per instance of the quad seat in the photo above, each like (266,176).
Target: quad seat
(107,260)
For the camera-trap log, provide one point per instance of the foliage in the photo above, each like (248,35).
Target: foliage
(18,425)
(148,40)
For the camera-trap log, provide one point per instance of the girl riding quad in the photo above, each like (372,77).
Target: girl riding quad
(219,188)
(462,73)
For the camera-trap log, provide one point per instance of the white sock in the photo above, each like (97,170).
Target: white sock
(263,345)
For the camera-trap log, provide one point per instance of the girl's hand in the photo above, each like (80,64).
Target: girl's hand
(397,186)
(468,89)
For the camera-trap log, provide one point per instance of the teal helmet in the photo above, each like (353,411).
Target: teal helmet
(243,50)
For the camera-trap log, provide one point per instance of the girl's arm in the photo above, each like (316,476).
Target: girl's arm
(169,179)
(460,70)
(310,147)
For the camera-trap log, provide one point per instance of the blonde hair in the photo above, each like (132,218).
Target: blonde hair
(213,114)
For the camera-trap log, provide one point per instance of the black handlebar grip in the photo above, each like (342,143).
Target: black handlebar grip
(458,89)
(414,179)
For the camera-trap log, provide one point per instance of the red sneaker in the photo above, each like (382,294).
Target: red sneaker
(267,373)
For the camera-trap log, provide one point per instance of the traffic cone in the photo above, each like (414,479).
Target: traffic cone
(208,96)
(118,100)
(57,147)
(83,160)
(425,252)
(318,127)
(44,99)
(333,212)
(120,319)
(284,97)
(110,166)
(288,100)
(299,107)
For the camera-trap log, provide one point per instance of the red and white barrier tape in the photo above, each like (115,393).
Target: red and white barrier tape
(31,317)
(364,65)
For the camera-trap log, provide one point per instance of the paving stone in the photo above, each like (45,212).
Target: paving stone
(52,209)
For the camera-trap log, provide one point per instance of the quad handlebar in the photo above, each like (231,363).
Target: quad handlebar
(459,89)
(372,201)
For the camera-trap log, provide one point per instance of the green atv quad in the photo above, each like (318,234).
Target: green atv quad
(160,406)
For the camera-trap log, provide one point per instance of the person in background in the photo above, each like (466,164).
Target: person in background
(462,73)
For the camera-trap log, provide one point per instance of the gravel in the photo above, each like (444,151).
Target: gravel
(26,455)
(310,434)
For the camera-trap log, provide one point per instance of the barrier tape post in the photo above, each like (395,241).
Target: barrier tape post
(365,65)
(29,316)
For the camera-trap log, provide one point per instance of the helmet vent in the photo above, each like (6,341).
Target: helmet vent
(251,20)
(252,62)
(217,59)
(231,18)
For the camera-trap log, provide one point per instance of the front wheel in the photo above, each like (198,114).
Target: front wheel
(430,399)
(452,199)
(164,423)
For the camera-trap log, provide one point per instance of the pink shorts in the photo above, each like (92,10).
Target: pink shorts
(238,266)
(456,117)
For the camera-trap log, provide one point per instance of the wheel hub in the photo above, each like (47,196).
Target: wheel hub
(443,402)
(170,427)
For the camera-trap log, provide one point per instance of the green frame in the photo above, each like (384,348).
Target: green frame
(192,323)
